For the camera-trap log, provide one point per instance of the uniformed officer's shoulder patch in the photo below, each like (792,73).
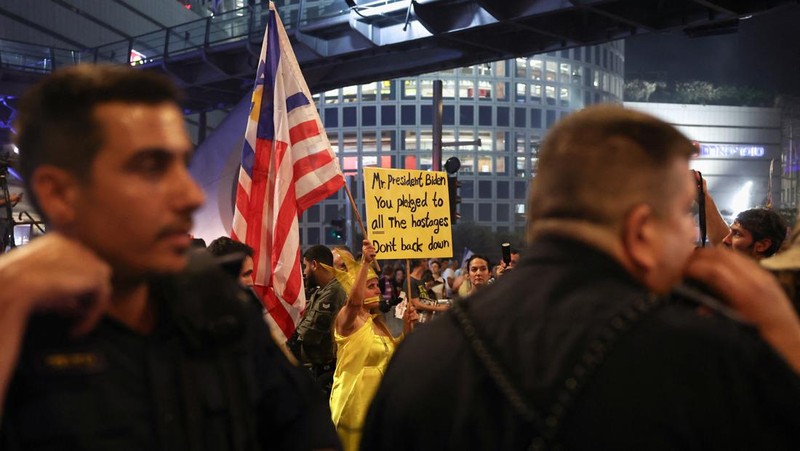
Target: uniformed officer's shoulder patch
(72,362)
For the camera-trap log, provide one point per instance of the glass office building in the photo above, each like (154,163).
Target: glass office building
(508,105)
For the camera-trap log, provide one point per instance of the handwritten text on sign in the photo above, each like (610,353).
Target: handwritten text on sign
(408,213)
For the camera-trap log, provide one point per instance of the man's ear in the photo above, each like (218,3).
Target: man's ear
(57,194)
(640,237)
(762,245)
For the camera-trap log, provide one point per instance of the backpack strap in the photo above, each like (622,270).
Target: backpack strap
(546,428)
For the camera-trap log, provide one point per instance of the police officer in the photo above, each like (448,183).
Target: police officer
(127,343)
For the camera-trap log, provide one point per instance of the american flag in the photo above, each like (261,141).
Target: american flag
(287,166)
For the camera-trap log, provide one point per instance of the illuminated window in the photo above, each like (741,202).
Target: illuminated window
(333,138)
(536,93)
(409,140)
(349,142)
(500,91)
(369,92)
(550,93)
(387,141)
(520,166)
(332,96)
(521,92)
(500,167)
(536,70)
(500,69)
(466,89)
(368,142)
(387,90)
(565,72)
(426,89)
(563,96)
(484,90)
(449,89)
(521,64)
(409,89)
(500,141)
(425,140)
(520,144)
(368,161)
(550,74)
(467,167)
(350,94)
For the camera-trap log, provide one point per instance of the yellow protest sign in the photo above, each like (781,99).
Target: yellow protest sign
(408,213)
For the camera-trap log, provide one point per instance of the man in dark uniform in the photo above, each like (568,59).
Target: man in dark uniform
(125,343)
(312,342)
(583,345)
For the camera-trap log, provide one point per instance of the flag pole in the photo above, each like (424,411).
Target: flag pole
(360,224)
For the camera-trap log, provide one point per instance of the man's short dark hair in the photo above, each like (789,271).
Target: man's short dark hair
(226,246)
(416,262)
(763,223)
(55,121)
(320,254)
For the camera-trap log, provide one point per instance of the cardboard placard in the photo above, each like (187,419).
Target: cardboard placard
(408,213)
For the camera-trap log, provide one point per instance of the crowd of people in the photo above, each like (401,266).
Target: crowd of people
(610,330)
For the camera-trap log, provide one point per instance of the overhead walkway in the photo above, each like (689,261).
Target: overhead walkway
(341,43)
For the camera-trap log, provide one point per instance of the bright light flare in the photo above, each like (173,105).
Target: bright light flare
(741,201)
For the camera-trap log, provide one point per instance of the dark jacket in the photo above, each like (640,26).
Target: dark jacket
(677,379)
(209,377)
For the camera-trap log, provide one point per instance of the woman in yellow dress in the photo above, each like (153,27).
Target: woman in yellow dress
(364,346)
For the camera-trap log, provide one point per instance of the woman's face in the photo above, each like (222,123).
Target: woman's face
(435,267)
(399,275)
(373,290)
(478,272)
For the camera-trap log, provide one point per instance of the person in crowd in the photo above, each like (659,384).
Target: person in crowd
(422,300)
(131,341)
(449,274)
(440,289)
(478,276)
(593,329)
(502,267)
(385,282)
(364,347)
(6,223)
(757,233)
(312,341)
(341,254)
(786,267)
(242,255)
(398,282)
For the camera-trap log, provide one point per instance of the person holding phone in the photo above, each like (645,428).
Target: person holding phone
(510,259)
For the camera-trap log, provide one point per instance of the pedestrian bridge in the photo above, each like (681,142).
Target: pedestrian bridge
(347,42)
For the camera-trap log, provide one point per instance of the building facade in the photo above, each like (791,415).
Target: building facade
(737,146)
(508,105)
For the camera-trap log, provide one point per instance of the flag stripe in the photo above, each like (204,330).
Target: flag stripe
(296,101)
(303,131)
(287,166)
(310,163)
(320,193)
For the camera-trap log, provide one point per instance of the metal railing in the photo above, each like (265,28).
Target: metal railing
(229,27)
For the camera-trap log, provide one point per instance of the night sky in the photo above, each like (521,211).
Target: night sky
(764,54)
